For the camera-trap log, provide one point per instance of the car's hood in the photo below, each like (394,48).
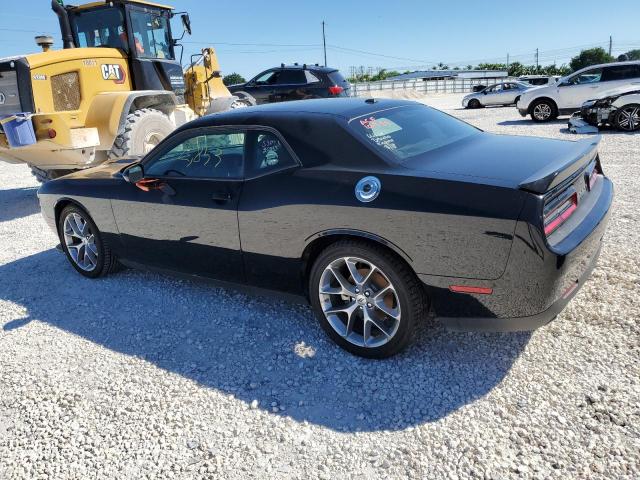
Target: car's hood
(105,170)
(510,161)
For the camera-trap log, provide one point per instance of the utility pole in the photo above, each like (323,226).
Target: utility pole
(537,58)
(324,44)
(610,44)
(507,62)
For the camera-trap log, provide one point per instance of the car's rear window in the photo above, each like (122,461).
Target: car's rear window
(406,132)
(337,78)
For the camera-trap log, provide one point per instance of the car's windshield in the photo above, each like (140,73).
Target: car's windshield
(409,131)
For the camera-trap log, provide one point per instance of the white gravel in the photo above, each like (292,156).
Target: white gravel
(144,376)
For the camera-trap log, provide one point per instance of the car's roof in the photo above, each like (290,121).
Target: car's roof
(347,108)
(315,68)
(610,64)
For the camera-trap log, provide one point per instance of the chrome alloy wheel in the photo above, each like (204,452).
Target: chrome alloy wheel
(80,242)
(629,118)
(542,111)
(359,302)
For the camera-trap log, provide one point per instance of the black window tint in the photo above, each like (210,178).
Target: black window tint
(266,153)
(620,72)
(337,78)
(411,131)
(215,155)
(292,76)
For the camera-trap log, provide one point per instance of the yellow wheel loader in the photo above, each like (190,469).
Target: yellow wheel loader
(117,88)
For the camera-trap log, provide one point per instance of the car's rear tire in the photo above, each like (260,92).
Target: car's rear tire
(543,110)
(367,300)
(474,103)
(627,118)
(83,243)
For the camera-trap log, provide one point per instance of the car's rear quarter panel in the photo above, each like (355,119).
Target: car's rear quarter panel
(441,228)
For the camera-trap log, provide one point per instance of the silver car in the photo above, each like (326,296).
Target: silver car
(503,93)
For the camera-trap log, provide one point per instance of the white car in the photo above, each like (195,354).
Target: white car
(569,93)
(619,108)
(503,93)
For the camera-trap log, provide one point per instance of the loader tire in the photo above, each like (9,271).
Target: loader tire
(244,100)
(143,130)
(43,176)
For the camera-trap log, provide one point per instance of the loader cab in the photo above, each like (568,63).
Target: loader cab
(141,30)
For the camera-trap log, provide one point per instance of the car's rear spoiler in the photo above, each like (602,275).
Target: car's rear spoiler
(556,171)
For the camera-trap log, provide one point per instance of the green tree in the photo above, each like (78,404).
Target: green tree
(233,78)
(591,56)
(633,54)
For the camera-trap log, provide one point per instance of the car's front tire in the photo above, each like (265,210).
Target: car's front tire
(474,103)
(83,244)
(543,110)
(367,300)
(627,118)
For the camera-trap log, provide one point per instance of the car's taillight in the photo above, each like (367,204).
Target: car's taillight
(336,90)
(559,212)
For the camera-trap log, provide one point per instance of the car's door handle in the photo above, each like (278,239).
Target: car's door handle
(221,197)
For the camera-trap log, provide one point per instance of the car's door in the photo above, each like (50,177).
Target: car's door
(580,87)
(290,85)
(262,87)
(492,95)
(183,215)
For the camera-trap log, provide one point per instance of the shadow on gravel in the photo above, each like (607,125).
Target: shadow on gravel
(528,121)
(18,203)
(258,348)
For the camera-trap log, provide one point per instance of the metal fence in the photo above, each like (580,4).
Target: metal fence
(425,87)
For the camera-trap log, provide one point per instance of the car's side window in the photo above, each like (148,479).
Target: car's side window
(590,76)
(311,78)
(288,77)
(268,78)
(265,154)
(216,155)
(620,72)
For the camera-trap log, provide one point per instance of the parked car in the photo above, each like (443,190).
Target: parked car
(569,93)
(619,108)
(293,82)
(537,80)
(503,93)
(371,209)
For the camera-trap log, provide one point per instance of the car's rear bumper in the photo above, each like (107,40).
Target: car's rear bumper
(519,324)
(538,281)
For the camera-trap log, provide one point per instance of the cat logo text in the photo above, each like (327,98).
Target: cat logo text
(113,72)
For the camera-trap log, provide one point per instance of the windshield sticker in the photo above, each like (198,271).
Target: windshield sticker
(380,126)
(384,141)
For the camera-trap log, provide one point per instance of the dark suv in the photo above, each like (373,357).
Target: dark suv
(293,82)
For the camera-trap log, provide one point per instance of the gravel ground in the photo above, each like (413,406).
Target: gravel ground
(145,376)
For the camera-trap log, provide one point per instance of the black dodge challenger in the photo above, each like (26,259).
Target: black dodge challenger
(372,209)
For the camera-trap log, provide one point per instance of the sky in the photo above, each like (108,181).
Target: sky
(251,36)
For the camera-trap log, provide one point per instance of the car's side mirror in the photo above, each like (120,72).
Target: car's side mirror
(133,174)
(186,22)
